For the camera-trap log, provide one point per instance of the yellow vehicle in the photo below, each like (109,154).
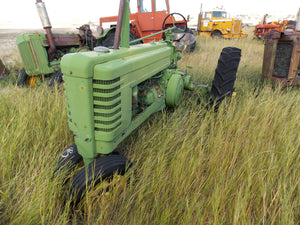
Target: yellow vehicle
(216,24)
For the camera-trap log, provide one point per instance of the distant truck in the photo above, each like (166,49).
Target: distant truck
(216,23)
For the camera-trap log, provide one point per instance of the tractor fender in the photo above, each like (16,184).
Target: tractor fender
(223,31)
(217,33)
(108,31)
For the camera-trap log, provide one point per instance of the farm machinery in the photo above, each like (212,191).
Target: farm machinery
(111,91)
(41,53)
(281,60)
(262,29)
(3,71)
(216,24)
(151,17)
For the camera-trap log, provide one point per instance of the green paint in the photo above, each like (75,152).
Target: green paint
(109,94)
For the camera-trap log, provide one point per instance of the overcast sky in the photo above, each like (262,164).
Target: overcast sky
(24,12)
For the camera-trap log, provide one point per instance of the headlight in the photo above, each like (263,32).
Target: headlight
(228,29)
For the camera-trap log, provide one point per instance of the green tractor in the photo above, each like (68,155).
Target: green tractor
(111,91)
(41,53)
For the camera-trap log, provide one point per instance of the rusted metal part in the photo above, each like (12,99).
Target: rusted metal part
(65,40)
(41,8)
(119,24)
(3,71)
(68,40)
(282,57)
(86,36)
(262,30)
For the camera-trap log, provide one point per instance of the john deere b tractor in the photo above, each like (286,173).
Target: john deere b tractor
(41,52)
(111,91)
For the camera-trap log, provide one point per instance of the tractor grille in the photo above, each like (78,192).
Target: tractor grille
(107,104)
(283,59)
(237,27)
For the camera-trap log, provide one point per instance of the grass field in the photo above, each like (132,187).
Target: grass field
(240,165)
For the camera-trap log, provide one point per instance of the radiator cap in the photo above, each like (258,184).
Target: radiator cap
(101,49)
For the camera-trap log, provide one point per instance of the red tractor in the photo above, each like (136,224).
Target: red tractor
(152,16)
(261,30)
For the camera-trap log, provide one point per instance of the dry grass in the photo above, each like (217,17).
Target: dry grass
(191,166)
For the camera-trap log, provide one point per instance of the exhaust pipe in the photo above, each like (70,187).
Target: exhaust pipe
(298,21)
(119,24)
(41,8)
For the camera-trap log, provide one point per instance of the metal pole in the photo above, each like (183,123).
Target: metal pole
(119,24)
(199,20)
(298,21)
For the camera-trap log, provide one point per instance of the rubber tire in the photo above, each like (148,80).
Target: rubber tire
(190,47)
(56,78)
(216,34)
(68,159)
(22,78)
(225,75)
(110,38)
(99,169)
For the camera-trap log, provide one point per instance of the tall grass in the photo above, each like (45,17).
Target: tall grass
(190,166)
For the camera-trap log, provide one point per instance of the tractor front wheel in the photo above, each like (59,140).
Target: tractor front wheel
(99,169)
(22,78)
(216,34)
(68,159)
(56,79)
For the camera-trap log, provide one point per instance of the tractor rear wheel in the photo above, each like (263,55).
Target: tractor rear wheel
(110,38)
(225,75)
(216,34)
(22,78)
(99,169)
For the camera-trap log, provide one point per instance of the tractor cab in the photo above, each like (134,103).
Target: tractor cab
(214,15)
(151,14)
(147,20)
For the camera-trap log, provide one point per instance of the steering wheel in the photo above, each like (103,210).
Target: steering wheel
(184,27)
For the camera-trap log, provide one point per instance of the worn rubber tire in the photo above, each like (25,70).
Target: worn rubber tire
(225,75)
(22,78)
(110,38)
(99,169)
(56,79)
(216,34)
(187,44)
(68,159)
